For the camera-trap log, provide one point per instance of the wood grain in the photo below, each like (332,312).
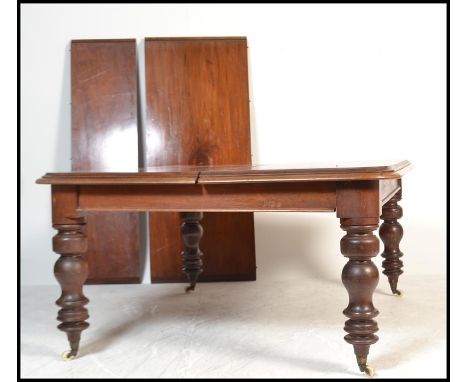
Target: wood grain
(192,231)
(358,206)
(358,199)
(198,114)
(360,277)
(71,268)
(308,171)
(314,196)
(391,233)
(240,174)
(104,138)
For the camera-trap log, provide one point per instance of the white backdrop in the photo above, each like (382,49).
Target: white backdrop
(327,82)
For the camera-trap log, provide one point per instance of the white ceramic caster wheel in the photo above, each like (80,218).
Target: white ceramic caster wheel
(370,372)
(68,356)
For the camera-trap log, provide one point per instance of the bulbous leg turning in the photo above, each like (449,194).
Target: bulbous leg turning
(71,270)
(360,277)
(391,233)
(191,232)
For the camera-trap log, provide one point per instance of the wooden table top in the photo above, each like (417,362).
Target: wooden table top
(339,171)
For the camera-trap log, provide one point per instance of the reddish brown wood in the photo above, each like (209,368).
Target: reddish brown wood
(197,102)
(219,260)
(311,171)
(64,203)
(192,231)
(198,114)
(360,277)
(104,138)
(358,199)
(391,233)
(180,174)
(356,206)
(212,197)
(71,269)
(160,175)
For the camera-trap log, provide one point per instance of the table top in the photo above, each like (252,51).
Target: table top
(257,173)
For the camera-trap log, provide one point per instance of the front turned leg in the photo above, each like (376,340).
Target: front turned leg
(71,270)
(360,277)
(391,233)
(192,231)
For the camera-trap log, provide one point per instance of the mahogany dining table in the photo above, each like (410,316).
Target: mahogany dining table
(360,193)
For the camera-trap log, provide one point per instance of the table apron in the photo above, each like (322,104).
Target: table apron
(294,196)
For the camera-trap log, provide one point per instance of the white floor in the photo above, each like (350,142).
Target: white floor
(270,328)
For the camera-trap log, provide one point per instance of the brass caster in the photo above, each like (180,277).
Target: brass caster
(68,356)
(398,293)
(189,289)
(370,372)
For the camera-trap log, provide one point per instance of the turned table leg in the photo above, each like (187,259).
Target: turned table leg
(391,233)
(71,270)
(358,207)
(360,277)
(191,231)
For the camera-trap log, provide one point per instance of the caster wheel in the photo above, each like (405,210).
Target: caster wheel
(370,372)
(68,356)
(189,289)
(398,293)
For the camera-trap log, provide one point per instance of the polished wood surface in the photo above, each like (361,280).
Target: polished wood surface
(211,198)
(197,102)
(391,233)
(308,171)
(196,163)
(198,114)
(360,277)
(192,231)
(377,170)
(96,178)
(235,267)
(71,269)
(104,105)
(358,204)
(104,126)
(241,196)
